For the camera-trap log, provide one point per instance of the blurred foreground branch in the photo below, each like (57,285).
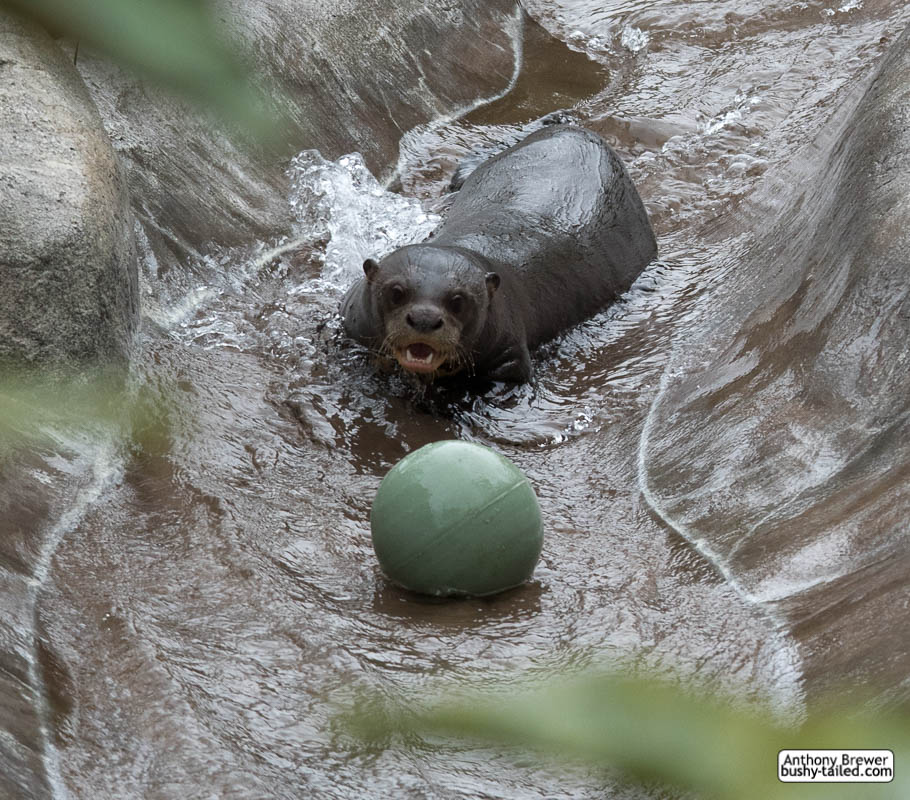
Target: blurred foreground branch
(174,43)
(649,731)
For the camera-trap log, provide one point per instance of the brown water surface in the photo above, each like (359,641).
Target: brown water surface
(221,588)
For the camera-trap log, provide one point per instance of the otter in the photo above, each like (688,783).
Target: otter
(540,237)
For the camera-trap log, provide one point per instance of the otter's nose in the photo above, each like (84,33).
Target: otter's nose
(424,319)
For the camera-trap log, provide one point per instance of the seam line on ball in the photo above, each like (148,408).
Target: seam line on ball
(445,532)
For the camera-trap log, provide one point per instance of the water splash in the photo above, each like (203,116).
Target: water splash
(845,8)
(743,102)
(634,39)
(587,41)
(342,202)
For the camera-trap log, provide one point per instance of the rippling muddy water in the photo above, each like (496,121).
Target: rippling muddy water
(218,590)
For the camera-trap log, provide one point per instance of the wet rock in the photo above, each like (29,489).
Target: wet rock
(67,259)
(792,471)
(355,75)
(68,296)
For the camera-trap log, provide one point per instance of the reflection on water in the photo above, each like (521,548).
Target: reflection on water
(203,609)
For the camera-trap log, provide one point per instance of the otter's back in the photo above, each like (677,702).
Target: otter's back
(560,210)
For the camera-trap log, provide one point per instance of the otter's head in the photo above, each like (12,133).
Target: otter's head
(432,302)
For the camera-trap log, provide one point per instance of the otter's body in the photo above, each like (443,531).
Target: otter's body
(540,237)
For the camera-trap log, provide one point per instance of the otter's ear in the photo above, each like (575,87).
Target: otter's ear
(492,283)
(370,268)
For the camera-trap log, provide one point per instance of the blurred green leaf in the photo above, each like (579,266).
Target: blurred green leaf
(38,406)
(647,730)
(173,42)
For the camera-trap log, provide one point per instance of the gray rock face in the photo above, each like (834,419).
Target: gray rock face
(68,296)
(806,396)
(68,285)
(353,75)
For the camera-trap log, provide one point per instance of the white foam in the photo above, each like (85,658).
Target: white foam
(742,103)
(343,202)
(634,39)
(845,7)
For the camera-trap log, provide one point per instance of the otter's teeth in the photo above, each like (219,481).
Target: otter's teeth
(426,360)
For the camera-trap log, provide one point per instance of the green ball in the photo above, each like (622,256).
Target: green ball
(455,518)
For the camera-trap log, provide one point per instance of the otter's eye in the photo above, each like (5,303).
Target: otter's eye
(456,303)
(396,294)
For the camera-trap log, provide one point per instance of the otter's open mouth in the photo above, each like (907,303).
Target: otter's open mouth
(420,357)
